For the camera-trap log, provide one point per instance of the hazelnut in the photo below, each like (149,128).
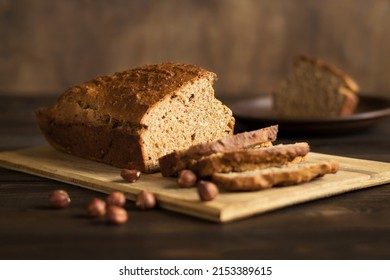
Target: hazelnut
(187,179)
(96,207)
(145,200)
(207,190)
(116,199)
(131,175)
(59,199)
(116,215)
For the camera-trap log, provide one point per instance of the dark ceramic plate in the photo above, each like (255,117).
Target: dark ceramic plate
(257,112)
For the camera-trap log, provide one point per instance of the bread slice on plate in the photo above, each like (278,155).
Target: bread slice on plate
(178,160)
(250,159)
(264,179)
(131,118)
(315,89)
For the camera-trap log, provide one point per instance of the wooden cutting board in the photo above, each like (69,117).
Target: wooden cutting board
(44,161)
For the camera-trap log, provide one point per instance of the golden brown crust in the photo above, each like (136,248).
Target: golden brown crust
(350,101)
(130,94)
(264,179)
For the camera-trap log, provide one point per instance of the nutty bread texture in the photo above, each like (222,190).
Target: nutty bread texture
(132,118)
(178,160)
(250,159)
(315,89)
(275,176)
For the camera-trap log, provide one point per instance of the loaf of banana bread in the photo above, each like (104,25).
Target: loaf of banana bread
(132,118)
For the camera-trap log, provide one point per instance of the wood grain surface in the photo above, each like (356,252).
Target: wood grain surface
(354,174)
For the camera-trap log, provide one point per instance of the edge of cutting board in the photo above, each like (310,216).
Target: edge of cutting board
(46,162)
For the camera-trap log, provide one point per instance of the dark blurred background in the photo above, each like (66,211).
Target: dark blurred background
(47,45)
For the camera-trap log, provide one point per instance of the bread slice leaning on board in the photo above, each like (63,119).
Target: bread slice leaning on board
(248,161)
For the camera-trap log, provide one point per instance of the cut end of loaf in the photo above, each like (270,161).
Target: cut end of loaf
(190,116)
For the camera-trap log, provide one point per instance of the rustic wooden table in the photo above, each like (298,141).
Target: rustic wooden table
(350,226)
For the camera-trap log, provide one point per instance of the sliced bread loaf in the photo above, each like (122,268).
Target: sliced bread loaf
(315,89)
(267,178)
(178,160)
(250,159)
(132,118)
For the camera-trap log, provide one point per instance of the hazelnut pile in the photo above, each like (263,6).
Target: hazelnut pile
(112,209)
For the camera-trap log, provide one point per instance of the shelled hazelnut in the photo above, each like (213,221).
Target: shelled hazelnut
(96,207)
(187,179)
(116,199)
(130,175)
(207,190)
(59,199)
(145,200)
(116,215)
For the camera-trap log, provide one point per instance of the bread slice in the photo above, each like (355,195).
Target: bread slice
(315,89)
(250,159)
(131,118)
(178,160)
(263,179)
